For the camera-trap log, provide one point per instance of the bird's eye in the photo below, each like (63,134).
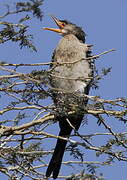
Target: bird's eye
(63,24)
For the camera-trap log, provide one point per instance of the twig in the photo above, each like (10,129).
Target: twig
(5,130)
(49,63)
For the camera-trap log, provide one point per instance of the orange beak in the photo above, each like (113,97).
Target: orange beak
(58,23)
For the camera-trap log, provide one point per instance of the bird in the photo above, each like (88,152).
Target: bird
(71,78)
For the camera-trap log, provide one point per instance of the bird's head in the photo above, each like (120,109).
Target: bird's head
(66,27)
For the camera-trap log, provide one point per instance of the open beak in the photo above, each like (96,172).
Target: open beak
(58,23)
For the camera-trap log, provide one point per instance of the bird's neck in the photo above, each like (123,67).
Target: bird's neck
(71,37)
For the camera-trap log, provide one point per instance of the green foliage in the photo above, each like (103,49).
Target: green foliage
(18,32)
(31,6)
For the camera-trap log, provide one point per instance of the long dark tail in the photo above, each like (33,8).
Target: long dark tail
(65,131)
(56,160)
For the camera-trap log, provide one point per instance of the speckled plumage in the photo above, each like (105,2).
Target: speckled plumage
(73,77)
(69,50)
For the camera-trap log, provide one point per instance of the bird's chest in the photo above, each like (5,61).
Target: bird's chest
(72,70)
